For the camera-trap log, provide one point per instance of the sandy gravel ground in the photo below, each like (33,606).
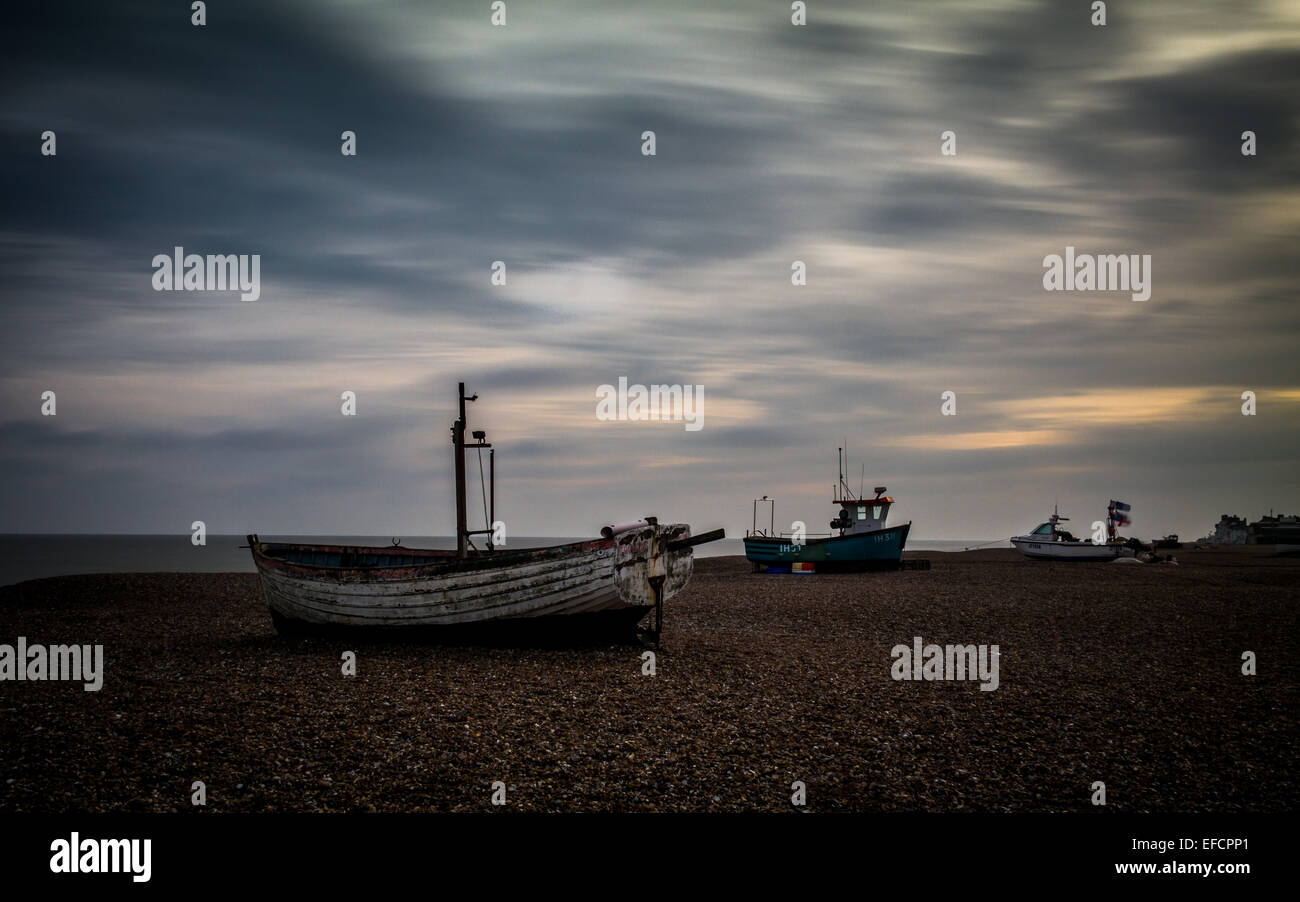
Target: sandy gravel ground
(1126,674)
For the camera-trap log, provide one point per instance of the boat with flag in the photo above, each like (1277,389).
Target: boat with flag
(1050,541)
(863,540)
(604,586)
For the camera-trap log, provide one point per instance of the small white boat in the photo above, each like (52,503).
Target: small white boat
(1051,542)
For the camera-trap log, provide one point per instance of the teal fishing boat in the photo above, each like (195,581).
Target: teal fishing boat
(863,540)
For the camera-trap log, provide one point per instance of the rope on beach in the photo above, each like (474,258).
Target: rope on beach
(985,545)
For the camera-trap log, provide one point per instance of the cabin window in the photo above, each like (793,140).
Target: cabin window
(862,512)
(1044,530)
(875,511)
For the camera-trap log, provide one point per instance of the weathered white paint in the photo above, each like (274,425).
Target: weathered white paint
(643,557)
(596,576)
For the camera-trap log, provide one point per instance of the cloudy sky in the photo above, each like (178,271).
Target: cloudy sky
(522,143)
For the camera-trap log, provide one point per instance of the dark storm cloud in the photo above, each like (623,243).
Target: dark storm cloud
(1203,110)
(522,144)
(928,207)
(199,148)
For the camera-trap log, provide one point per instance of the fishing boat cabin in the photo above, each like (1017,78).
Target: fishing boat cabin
(862,514)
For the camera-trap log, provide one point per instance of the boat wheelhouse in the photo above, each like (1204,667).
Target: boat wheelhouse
(862,540)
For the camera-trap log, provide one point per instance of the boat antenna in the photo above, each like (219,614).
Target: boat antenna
(844,479)
(862,479)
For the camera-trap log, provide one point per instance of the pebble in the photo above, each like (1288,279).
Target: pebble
(1126,675)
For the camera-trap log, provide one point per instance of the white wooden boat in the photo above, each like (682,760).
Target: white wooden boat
(605,585)
(1050,542)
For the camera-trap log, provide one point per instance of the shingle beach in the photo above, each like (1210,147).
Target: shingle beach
(1129,675)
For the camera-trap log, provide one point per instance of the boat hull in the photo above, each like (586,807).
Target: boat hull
(560,630)
(1081,552)
(880,549)
(585,587)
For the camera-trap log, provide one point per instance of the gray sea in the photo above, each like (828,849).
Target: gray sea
(24,557)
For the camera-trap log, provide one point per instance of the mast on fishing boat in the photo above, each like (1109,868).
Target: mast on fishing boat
(463,532)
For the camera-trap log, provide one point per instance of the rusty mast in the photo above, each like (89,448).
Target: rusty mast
(463,532)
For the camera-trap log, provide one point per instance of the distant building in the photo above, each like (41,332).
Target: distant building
(1283,529)
(1229,531)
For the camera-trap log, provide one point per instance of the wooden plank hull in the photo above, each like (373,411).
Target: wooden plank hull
(605,582)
